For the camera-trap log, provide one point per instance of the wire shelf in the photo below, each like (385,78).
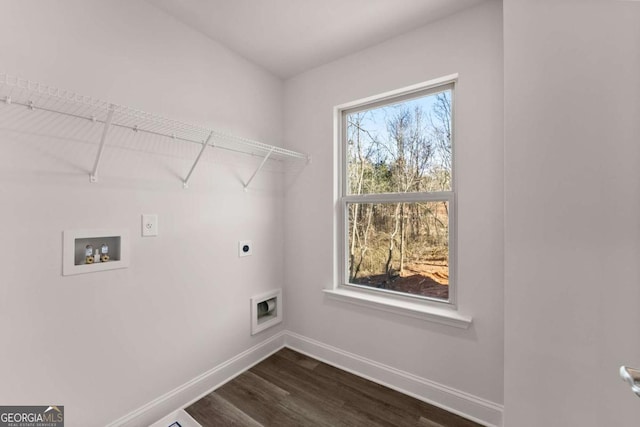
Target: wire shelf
(36,96)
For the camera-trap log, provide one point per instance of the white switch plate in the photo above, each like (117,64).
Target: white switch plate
(149,225)
(245,248)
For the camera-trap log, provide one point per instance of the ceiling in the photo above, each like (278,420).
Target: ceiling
(288,37)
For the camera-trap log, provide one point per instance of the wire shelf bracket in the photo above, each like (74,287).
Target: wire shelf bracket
(36,96)
(93,177)
(246,185)
(205,144)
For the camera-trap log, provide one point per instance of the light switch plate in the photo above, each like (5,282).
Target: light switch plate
(149,225)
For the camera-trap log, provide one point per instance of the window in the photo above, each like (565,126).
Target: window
(397,199)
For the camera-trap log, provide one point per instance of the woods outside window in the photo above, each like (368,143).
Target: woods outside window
(397,198)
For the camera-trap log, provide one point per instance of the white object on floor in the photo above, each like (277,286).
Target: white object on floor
(175,419)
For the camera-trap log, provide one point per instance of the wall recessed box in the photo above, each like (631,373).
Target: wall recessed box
(266,310)
(75,242)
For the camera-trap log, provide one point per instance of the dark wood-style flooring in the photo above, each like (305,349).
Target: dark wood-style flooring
(290,389)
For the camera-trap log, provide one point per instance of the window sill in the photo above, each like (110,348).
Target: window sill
(444,316)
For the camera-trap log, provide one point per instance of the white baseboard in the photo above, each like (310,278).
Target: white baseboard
(191,391)
(458,402)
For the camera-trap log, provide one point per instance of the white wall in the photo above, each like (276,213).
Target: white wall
(572,211)
(469,43)
(103,344)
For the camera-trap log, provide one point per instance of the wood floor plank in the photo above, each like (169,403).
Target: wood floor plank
(291,389)
(299,358)
(306,387)
(217,411)
(394,401)
(429,423)
(362,397)
(344,402)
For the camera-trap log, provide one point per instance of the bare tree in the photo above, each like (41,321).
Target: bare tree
(413,151)
(360,147)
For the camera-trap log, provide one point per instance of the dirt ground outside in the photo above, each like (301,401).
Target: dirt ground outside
(430,279)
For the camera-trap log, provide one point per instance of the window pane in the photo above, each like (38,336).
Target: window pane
(402,247)
(401,147)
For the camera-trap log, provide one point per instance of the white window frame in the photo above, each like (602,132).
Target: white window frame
(433,309)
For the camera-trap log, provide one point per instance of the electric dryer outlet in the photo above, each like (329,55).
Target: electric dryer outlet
(245,248)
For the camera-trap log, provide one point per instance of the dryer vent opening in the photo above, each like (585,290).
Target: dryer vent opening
(266,310)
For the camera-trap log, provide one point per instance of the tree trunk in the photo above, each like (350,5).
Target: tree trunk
(402,239)
(392,236)
(365,245)
(352,250)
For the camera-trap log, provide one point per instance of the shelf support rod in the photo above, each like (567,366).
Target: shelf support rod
(185,183)
(259,168)
(103,139)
